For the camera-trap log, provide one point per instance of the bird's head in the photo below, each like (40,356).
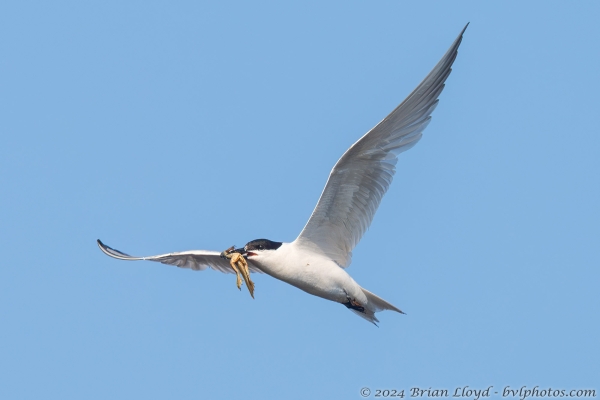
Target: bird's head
(254,249)
(259,247)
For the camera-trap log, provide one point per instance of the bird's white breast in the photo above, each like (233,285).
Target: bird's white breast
(309,271)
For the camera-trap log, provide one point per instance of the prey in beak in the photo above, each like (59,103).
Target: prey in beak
(237,260)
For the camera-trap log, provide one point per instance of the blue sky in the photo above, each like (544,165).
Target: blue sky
(169,126)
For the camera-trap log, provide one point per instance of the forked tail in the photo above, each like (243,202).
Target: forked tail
(374,304)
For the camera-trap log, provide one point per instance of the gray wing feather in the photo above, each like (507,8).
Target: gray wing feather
(362,176)
(198,260)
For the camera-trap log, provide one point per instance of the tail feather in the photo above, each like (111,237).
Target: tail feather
(367,314)
(376,303)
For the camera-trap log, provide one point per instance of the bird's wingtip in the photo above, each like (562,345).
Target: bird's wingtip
(105,249)
(460,35)
(114,253)
(463,31)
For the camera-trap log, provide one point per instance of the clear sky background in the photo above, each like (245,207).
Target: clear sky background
(166,126)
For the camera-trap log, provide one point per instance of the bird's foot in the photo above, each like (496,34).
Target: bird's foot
(354,305)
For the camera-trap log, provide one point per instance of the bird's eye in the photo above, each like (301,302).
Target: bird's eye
(260,247)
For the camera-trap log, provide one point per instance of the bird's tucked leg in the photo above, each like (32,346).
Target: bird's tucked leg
(353,304)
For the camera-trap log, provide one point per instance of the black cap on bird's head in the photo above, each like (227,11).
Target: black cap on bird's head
(262,244)
(252,247)
(257,246)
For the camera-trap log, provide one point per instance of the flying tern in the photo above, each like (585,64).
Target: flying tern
(316,260)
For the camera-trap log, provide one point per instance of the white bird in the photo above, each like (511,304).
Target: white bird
(315,262)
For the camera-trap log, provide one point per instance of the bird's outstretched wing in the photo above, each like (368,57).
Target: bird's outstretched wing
(364,173)
(197,260)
